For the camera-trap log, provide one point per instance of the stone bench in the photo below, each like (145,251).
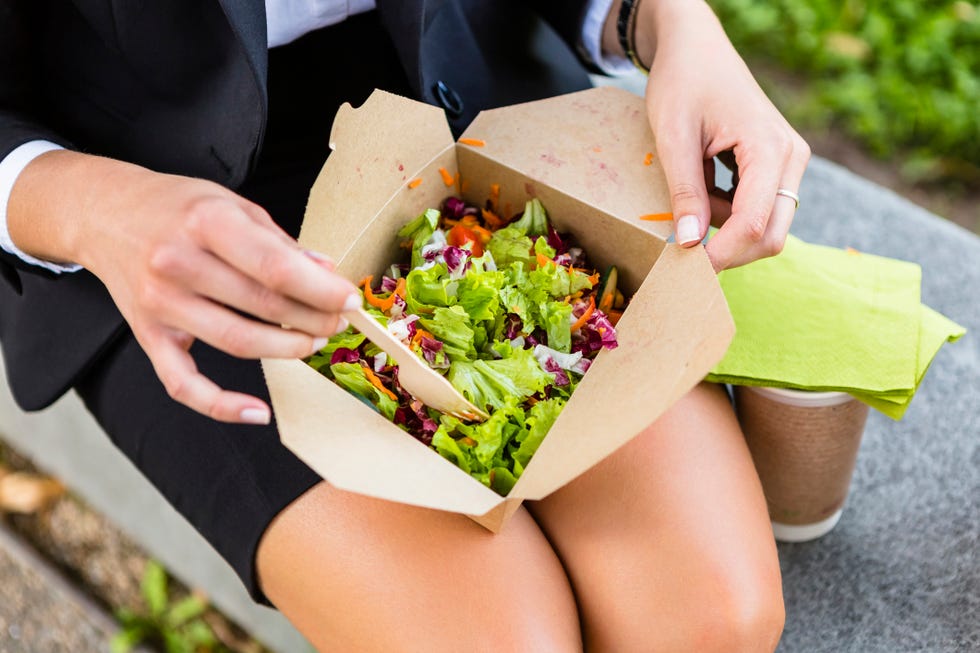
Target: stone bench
(898,573)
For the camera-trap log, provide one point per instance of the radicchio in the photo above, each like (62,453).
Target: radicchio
(344,355)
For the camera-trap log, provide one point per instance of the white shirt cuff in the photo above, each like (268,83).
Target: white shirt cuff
(10,168)
(595,20)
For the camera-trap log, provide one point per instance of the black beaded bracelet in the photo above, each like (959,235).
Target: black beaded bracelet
(626,29)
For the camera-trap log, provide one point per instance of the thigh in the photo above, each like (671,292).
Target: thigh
(668,542)
(360,574)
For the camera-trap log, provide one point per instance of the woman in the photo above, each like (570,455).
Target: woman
(665,545)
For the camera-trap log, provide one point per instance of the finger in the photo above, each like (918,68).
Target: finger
(185,384)
(783,211)
(215,280)
(680,151)
(761,165)
(266,258)
(234,334)
(262,218)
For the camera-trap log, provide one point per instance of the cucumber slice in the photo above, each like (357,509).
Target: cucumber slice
(608,293)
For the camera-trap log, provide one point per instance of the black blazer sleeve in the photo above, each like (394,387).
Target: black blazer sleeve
(19,113)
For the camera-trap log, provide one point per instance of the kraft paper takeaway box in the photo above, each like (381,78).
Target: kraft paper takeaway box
(585,156)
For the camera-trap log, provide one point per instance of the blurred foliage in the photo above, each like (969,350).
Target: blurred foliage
(177,627)
(902,76)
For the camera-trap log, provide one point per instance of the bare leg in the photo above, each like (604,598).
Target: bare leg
(668,543)
(361,574)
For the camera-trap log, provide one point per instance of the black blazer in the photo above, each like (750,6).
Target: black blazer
(182,86)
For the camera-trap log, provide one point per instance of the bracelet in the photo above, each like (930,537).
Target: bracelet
(626,28)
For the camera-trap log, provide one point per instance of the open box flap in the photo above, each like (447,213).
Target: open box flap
(354,448)
(592,145)
(677,326)
(376,150)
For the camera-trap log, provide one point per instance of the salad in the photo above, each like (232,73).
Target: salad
(508,311)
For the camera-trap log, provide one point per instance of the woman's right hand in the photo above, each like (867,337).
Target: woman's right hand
(182,259)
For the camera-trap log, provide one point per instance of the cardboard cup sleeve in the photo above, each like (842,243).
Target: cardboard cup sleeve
(804,446)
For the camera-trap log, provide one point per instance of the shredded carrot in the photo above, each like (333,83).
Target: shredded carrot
(384,304)
(657,217)
(614,316)
(419,334)
(542,260)
(580,322)
(469,221)
(400,288)
(605,304)
(475,142)
(602,331)
(492,219)
(366,281)
(484,234)
(446,177)
(494,199)
(648,159)
(376,382)
(594,278)
(469,442)
(415,183)
(456,181)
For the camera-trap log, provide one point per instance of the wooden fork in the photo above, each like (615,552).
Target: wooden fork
(420,380)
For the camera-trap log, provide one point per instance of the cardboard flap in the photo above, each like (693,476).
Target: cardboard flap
(354,448)
(675,329)
(591,145)
(377,149)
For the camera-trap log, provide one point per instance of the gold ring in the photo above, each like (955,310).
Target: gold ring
(790,194)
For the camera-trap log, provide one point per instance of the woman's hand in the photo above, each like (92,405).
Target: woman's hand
(702,101)
(182,259)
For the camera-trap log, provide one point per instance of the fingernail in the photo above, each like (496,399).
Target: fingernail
(353,302)
(342,324)
(255,416)
(319,343)
(317,256)
(688,230)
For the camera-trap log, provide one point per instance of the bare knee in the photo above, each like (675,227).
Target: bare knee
(734,619)
(706,609)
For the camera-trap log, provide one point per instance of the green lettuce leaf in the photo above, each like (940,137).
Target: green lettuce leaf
(534,221)
(452,326)
(510,245)
(496,382)
(539,421)
(420,230)
(427,289)
(555,319)
(351,377)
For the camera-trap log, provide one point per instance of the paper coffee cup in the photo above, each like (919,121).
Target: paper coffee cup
(804,445)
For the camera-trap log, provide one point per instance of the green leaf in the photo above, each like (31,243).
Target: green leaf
(125,640)
(185,610)
(534,221)
(510,245)
(539,421)
(351,377)
(420,230)
(453,328)
(154,588)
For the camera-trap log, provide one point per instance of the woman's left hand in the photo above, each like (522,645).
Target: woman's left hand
(702,101)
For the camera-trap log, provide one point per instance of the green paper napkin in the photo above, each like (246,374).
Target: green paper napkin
(820,318)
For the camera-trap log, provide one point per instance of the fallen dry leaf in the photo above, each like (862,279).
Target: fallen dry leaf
(27,493)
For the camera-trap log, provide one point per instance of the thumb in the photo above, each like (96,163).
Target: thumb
(681,156)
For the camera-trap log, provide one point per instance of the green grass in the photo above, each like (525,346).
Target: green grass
(902,77)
